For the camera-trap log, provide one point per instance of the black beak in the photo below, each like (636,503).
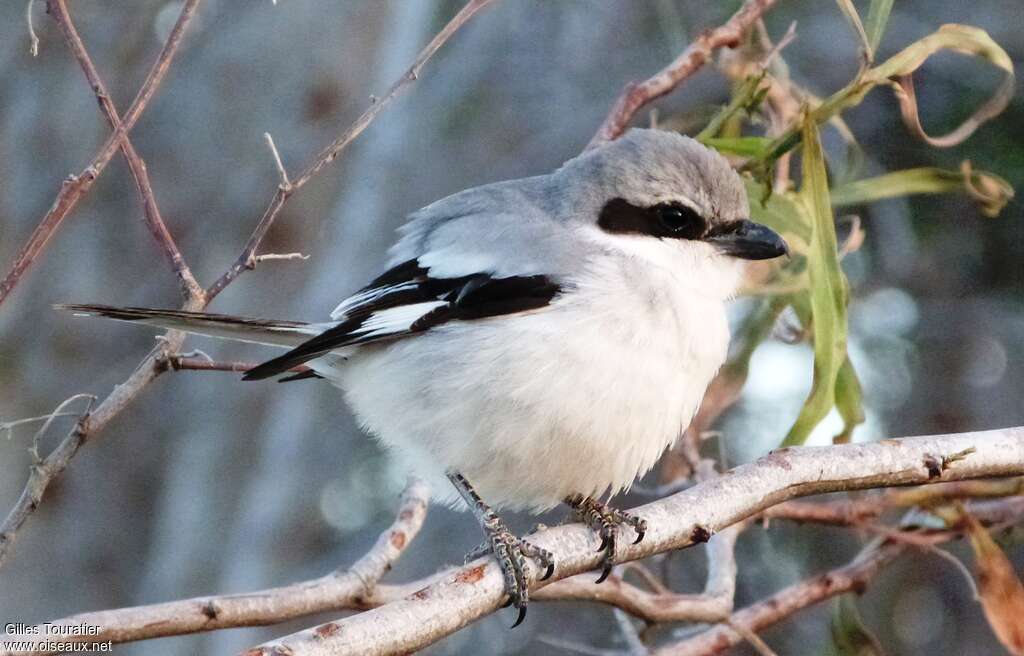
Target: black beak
(747,240)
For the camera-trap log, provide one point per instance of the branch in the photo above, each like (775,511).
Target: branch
(713,605)
(179,362)
(338,590)
(247,259)
(190,288)
(469,593)
(854,576)
(157,361)
(75,187)
(727,500)
(638,94)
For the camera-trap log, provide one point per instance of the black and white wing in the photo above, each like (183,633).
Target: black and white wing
(406,300)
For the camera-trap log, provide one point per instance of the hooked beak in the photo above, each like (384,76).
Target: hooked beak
(747,240)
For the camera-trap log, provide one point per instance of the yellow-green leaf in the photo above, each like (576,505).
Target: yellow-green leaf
(849,633)
(878,16)
(957,38)
(827,291)
(988,190)
(849,401)
(853,18)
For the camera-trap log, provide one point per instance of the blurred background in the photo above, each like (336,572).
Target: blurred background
(210,485)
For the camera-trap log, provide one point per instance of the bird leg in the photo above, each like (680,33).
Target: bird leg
(606,521)
(510,551)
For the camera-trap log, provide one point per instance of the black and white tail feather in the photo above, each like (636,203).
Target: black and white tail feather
(402,302)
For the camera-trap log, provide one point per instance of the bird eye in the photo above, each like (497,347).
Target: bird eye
(680,221)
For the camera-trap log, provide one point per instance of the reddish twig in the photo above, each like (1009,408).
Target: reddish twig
(74,188)
(157,361)
(50,467)
(852,577)
(247,258)
(190,288)
(638,94)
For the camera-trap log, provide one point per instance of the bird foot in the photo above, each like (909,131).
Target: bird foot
(607,522)
(511,552)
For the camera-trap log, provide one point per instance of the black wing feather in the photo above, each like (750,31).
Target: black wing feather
(467,297)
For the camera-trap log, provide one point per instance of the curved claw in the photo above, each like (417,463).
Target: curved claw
(604,573)
(522,616)
(548,572)
(604,543)
(508,602)
(639,537)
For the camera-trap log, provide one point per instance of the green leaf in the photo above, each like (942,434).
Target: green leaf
(853,18)
(742,146)
(783,213)
(827,292)
(988,190)
(849,401)
(748,95)
(878,16)
(849,633)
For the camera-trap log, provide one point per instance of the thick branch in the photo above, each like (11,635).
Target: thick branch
(247,259)
(471,592)
(338,590)
(638,94)
(76,186)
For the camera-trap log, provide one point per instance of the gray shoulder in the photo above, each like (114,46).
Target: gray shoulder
(502,229)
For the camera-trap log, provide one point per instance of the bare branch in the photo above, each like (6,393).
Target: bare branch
(638,94)
(183,362)
(469,593)
(782,605)
(75,187)
(247,259)
(338,590)
(157,361)
(456,596)
(190,288)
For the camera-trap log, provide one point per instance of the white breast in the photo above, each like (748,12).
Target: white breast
(580,397)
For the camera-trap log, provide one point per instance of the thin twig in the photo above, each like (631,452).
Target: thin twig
(190,288)
(247,260)
(280,256)
(185,362)
(754,640)
(33,39)
(785,603)
(285,182)
(75,187)
(71,192)
(638,94)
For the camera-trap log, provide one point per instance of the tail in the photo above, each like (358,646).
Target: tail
(240,329)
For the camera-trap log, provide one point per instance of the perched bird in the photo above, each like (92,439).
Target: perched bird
(535,341)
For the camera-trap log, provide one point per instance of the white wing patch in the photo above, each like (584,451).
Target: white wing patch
(394,320)
(367,296)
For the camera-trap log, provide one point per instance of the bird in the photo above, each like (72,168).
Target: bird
(535,341)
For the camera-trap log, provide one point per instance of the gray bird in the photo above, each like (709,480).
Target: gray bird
(535,341)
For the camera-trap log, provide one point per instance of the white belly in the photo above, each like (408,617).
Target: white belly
(578,398)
